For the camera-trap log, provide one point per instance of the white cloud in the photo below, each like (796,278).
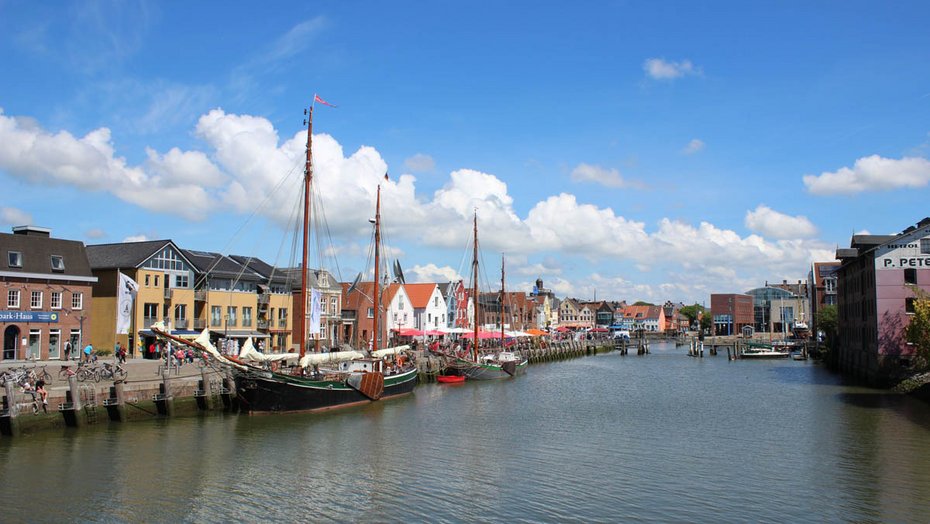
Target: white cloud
(420,163)
(143,238)
(600,175)
(89,163)
(773,224)
(871,173)
(432,273)
(660,69)
(15,217)
(693,146)
(243,159)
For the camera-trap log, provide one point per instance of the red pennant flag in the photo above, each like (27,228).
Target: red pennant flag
(316,98)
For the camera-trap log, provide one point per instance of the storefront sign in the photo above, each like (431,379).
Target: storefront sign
(28,316)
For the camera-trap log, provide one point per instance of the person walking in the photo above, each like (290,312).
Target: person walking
(67,350)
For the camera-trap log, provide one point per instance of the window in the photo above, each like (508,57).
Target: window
(14,259)
(156,280)
(231,315)
(216,316)
(909,305)
(436,301)
(12,298)
(371,312)
(56,300)
(282,318)
(58,263)
(36,301)
(925,246)
(400,303)
(910,275)
(180,315)
(77,300)
(246,317)
(148,280)
(150,311)
(181,280)
(334,303)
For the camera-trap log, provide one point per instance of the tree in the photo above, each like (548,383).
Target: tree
(642,303)
(827,322)
(692,312)
(917,331)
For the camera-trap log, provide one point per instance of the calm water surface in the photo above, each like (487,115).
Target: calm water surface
(660,438)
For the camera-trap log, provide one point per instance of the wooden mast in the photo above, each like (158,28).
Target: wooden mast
(502,301)
(377,298)
(474,269)
(308,180)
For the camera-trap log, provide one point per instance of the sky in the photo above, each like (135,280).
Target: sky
(618,150)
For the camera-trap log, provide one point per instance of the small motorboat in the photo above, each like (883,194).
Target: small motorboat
(450,379)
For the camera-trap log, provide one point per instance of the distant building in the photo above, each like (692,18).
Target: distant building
(47,285)
(777,307)
(821,289)
(875,299)
(731,313)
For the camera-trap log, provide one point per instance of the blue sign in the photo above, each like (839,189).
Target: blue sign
(28,316)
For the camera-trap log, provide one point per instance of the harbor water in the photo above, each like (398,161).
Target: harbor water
(608,438)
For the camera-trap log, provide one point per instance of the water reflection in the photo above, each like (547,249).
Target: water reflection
(663,437)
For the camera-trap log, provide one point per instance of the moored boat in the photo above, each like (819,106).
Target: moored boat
(490,363)
(320,380)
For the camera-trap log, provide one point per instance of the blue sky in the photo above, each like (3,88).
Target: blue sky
(637,150)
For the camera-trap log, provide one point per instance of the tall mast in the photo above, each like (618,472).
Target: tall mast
(308,180)
(502,301)
(377,300)
(474,269)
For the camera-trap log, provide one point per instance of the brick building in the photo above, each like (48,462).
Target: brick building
(875,299)
(46,294)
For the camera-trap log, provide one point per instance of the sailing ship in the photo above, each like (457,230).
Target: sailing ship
(489,363)
(320,380)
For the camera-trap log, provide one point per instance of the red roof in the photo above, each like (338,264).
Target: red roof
(419,294)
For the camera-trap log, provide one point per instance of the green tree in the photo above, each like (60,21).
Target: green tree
(691,312)
(642,303)
(917,331)
(827,322)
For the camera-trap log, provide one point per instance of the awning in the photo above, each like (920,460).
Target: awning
(239,334)
(188,334)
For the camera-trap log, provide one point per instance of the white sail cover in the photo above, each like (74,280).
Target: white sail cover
(311,359)
(390,351)
(250,353)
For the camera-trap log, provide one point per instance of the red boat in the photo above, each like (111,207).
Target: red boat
(450,379)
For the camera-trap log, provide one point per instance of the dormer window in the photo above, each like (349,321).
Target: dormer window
(58,263)
(14,259)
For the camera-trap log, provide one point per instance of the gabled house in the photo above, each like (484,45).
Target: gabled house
(429,306)
(359,313)
(166,278)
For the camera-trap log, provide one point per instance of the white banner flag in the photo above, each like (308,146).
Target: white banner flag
(125,293)
(314,327)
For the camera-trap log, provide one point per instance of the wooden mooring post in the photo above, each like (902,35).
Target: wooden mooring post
(116,403)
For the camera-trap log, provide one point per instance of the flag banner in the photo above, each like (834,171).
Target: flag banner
(314,327)
(316,98)
(125,294)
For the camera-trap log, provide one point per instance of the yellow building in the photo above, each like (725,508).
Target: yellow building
(165,279)
(187,290)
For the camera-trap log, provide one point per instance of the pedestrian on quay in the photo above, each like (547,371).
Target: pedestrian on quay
(43,396)
(67,350)
(88,351)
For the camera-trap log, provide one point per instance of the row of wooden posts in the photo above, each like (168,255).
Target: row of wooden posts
(81,405)
(216,390)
